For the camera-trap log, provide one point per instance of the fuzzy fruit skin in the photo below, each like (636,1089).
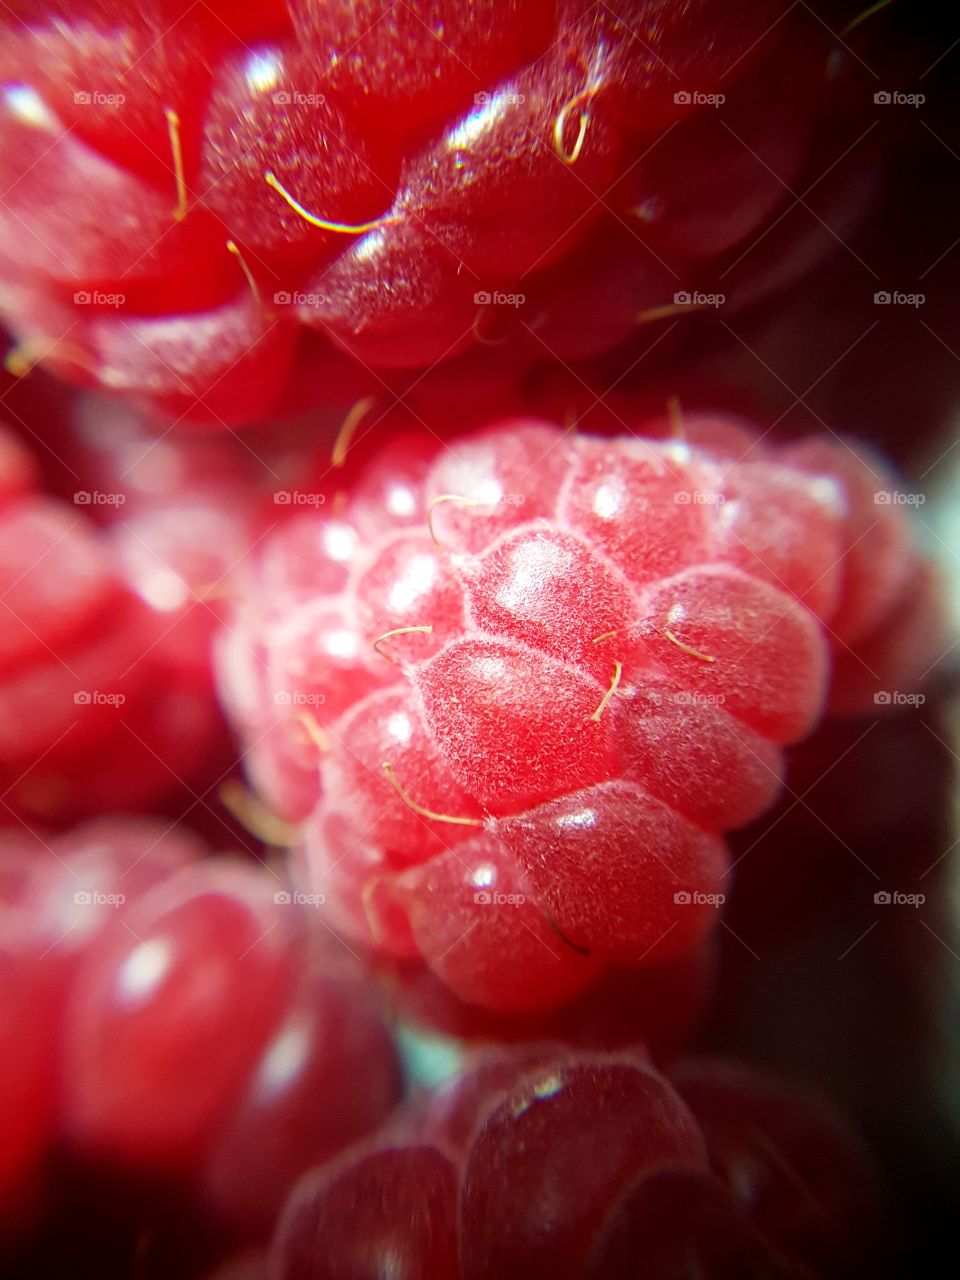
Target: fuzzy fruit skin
(541,1160)
(396,1208)
(491,1178)
(533,1194)
(588,639)
(446,158)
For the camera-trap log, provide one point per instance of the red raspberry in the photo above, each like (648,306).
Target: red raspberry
(559,1135)
(798,1167)
(377,173)
(81,727)
(178,1019)
(515,742)
(547,1162)
(56,895)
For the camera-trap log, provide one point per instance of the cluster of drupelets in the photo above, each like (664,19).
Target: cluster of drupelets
(441,741)
(500,703)
(227,213)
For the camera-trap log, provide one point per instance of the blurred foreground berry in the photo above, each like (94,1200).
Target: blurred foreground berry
(183,1025)
(85,654)
(547,1162)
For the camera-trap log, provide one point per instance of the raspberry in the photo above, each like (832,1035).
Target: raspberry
(178,1022)
(433,59)
(511,1175)
(153,1059)
(534,1191)
(300,136)
(55,897)
(515,736)
(798,1167)
(396,1208)
(81,730)
(545,1161)
(675,1220)
(379,174)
